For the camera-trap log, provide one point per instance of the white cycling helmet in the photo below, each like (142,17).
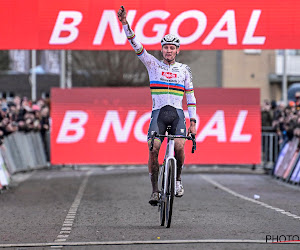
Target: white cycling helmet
(170,39)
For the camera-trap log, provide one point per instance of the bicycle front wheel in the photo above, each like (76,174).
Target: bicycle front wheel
(170,193)
(162,207)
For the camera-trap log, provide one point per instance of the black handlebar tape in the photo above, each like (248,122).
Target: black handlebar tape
(194,143)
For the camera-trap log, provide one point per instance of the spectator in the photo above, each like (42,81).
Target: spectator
(297,101)
(266,117)
(285,120)
(20,114)
(44,121)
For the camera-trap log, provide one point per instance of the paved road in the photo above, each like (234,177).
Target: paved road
(92,208)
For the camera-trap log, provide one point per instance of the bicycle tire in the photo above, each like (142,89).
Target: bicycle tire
(170,193)
(162,207)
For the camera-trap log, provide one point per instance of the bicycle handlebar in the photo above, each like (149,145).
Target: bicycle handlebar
(194,143)
(172,137)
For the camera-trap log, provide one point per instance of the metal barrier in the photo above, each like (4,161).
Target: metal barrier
(23,151)
(270,148)
(4,175)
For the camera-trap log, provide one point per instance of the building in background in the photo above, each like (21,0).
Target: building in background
(249,68)
(17,80)
(19,60)
(292,69)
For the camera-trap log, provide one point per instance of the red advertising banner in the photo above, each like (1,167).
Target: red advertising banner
(109,126)
(200,24)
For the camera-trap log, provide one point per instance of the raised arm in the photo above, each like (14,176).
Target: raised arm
(136,45)
(143,55)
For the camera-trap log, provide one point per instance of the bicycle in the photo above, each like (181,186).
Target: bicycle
(167,176)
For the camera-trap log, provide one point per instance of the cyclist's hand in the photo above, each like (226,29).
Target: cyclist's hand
(122,15)
(192,129)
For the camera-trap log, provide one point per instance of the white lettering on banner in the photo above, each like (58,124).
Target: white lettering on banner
(209,130)
(218,121)
(61,26)
(138,129)
(249,38)
(238,127)
(112,119)
(75,120)
(160,29)
(109,18)
(217,32)
(68,125)
(195,14)
(109,21)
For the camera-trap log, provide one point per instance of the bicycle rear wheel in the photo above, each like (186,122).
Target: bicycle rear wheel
(170,192)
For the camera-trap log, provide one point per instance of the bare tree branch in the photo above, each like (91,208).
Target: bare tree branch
(116,68)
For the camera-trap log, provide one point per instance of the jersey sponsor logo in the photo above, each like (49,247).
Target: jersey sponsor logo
(169,75)
(168,80)
(175,69)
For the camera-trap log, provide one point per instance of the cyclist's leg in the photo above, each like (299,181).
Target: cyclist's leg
(153,165)
(179,143)
(179,155)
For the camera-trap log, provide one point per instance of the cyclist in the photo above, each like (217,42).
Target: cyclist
(169,80)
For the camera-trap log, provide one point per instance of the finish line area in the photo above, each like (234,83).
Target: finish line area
(150,242)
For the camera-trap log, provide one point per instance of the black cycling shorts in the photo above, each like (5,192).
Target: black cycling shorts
(167,116)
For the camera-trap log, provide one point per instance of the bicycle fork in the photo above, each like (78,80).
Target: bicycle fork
(168,164)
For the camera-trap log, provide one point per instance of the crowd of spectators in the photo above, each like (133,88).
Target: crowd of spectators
(282,119)
(21,114)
